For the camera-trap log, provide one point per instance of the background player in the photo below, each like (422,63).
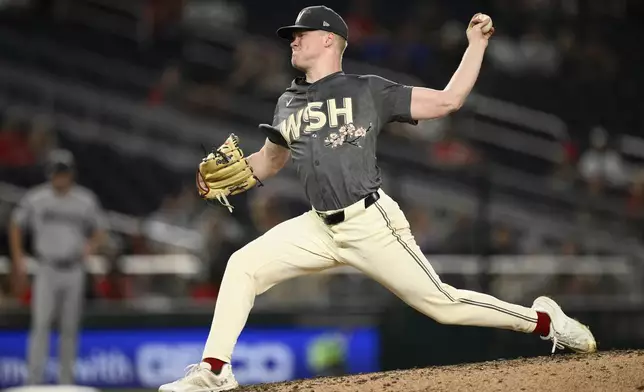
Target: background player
(66,224)
(328,122)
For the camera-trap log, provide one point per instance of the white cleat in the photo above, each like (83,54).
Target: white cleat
(565,331)
(199,378)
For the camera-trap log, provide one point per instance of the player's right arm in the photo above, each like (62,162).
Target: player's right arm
(19,219)
(15,245)
(428,103)
(401,103)
(269,160)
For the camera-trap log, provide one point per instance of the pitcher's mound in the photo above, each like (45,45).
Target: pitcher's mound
(604,371)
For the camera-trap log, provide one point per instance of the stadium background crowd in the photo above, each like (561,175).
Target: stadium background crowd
(559,57)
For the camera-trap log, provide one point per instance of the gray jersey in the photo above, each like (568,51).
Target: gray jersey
(331,127)
(60,224)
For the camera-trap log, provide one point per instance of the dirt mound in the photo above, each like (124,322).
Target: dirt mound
(604,371)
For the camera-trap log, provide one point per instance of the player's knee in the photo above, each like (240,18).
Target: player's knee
(434,307)
(443,318)
(239,262)
(40,327)
(241,271)
(443,313)
(236,258)
(69,326)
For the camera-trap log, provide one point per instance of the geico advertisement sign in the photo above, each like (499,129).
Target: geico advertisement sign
(157,363)
(148,358)
(252,363)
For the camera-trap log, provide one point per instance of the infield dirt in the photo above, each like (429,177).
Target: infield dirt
(613,371)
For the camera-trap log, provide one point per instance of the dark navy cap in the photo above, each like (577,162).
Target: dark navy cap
(316,17)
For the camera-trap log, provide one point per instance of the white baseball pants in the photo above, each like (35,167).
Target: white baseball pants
(376,241)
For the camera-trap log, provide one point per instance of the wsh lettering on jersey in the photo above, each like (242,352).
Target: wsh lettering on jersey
(315,117)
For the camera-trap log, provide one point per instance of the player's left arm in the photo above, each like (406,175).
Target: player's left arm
(94,242)
(269,160)
(428,103)
(97,223)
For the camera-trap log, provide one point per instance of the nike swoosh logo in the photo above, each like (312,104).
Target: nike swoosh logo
(289,101)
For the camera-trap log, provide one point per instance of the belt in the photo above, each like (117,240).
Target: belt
(66,265)
(62,264)
(339,216)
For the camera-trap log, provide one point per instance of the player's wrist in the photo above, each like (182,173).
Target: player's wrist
(18,260)
(88,250)
(19,267)
(479,43)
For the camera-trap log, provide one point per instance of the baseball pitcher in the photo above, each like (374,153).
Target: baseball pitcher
(327,122)
(66,225)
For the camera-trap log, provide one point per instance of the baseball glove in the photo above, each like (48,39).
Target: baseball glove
(225,172)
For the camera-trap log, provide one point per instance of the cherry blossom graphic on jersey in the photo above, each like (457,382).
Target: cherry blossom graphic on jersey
(347,134)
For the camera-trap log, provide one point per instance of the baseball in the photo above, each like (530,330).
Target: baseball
(486,21)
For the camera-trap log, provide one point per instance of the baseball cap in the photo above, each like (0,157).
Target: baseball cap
(60,161)
(317,17)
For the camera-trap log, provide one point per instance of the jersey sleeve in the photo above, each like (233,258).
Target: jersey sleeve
(393,100)
(272,133)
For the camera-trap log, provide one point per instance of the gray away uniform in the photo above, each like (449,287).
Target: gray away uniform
(60,226)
